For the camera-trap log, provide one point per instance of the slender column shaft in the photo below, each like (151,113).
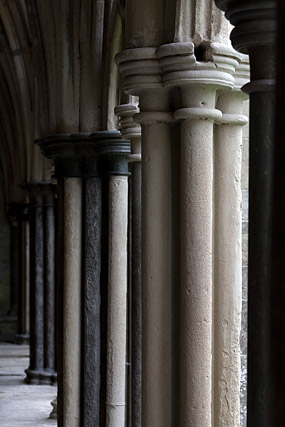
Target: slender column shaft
(23,275)
(26,277)
(37,291)
(196,257)
(92,301)
(227,259)
(117,301)
(260,235)
(72,302)
(136,304)
(156,274)
(132,131)
(255,32)
(14,270)
(50,285)
(59,297)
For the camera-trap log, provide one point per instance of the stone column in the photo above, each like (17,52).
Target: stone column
(130,130)
(36,368)
(64,150)
(23,335)
(254,33)
(227,247)
(72,301)
(142,77)
(78,174)
(199,82)
(92,297)
(49,281)
(14,257)
(117,292)
(42,281)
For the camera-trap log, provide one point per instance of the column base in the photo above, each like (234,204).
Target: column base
(37,377)
(53,414)
(22,339)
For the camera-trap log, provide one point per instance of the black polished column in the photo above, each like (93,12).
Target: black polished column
(277,389)
(254,33)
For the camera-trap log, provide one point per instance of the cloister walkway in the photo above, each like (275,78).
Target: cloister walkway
(21,404)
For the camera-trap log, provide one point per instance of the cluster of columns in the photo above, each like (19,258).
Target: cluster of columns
(93,276)
(191,230)
(40,251)
(18,214)
(255,33)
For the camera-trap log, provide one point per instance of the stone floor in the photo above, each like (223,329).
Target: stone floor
(21,404)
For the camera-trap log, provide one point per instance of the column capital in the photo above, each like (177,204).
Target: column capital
(76,155)
(181,65)
(242,73)
(254,21)
(140,68)
(19,211)
(41,188)
(130,129)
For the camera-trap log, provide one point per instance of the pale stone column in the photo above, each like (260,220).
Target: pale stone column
(72,302)
(142,77)
(227,247)
(117,284)
(68,170)
(198,82)
(79,303)
(132,131)
(254,33)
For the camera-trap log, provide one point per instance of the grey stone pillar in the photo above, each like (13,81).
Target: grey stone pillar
(132,131)
(254,33)
(42,282)
(36,368)
(14,257)
(49,283)
(79,202)
(23,331)
(117,152)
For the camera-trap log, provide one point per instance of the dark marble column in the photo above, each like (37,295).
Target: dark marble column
(254,33)
(92,200)
(82,156)
(277,389)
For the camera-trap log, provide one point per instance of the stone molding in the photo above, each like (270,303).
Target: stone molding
(130,129)
(254,21)
(149,71)
(75,155)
